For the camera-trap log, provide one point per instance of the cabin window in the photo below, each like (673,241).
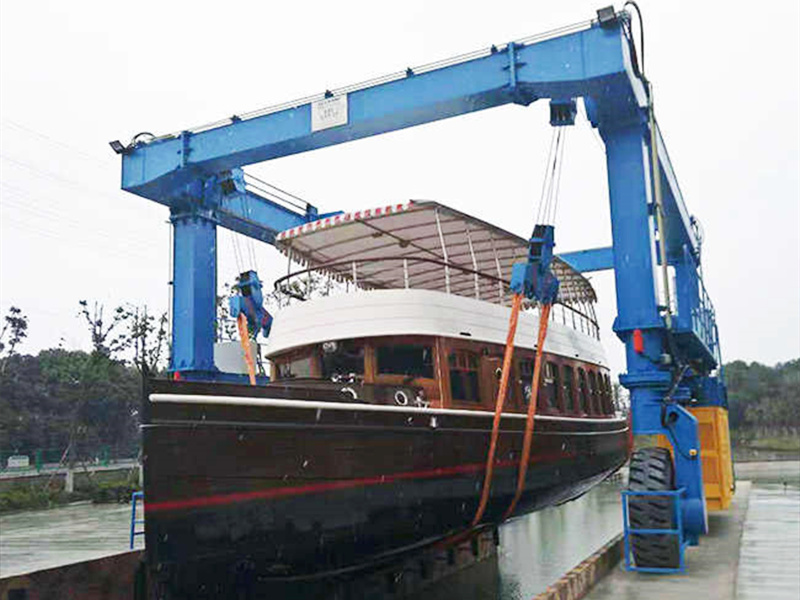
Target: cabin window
(464,376)
(583,396)
(569,389)
(525,380)
(410,360)
(594,394)
(552,382)
(548,396)
(294,369)
(607,396)
(342,358)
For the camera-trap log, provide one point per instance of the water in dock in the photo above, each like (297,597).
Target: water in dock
(535,550)
(41,539)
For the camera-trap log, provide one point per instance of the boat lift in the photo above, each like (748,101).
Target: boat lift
(665,317)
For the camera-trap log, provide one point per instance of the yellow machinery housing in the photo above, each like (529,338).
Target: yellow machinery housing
(715,452)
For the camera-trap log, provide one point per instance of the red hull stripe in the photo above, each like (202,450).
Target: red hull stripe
(329,486)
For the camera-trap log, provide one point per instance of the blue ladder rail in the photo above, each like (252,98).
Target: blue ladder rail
(135,496)
(678,531)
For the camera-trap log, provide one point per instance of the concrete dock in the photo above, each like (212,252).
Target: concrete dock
(769,561)
(711,567)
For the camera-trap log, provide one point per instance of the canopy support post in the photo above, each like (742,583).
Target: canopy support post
(499,271)
(474,263)
(444,251)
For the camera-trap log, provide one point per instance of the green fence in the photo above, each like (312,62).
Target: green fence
(44,459)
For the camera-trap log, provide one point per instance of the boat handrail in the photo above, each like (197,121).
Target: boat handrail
(585,323)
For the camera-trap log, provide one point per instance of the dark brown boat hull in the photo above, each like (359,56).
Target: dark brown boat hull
(296,489)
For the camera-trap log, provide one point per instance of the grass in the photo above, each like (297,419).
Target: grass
(34,496)
(775,443)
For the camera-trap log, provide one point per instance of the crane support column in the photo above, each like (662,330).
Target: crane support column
(194,291)
(632,232)
(640,323)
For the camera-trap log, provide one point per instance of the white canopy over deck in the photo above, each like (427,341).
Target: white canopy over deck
(421,245)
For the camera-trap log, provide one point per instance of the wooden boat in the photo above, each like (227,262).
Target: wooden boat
(371,438)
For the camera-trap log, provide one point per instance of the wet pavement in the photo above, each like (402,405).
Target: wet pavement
(711,566)
(769,558)
(752,550)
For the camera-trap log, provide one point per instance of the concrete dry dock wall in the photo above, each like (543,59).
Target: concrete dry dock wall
(576,583)
(108,578)
(114,578)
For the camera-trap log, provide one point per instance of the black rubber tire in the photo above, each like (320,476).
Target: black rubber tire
(652,470)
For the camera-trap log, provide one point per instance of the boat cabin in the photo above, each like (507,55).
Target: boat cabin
(409,305)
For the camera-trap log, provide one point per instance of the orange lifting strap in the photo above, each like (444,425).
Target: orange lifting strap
(498,410)
(544,318)
(244,338)
(502,392)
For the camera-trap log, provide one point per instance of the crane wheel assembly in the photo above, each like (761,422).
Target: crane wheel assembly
(651,470)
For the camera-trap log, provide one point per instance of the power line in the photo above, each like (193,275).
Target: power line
(58,236)
(105,162)
(49,213)
(76,185)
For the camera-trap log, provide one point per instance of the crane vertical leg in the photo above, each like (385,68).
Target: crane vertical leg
(194,273)
(632,228)
(640,323)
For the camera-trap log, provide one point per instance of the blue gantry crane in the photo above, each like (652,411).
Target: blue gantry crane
(665,317)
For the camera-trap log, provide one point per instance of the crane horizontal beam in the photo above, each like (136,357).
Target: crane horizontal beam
(230,201)
(586,261)
(248,213)
(591,62)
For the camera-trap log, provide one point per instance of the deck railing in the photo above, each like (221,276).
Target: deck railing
(428,273)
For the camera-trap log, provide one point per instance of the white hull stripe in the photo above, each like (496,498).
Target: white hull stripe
(353,406)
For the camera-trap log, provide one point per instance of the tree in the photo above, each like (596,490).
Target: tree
(145,336)
(620,397)
(15,329)
(225,325)
(763,398)
(303,287)
(100,331)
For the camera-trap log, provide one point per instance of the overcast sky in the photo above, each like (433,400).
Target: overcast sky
(75,75)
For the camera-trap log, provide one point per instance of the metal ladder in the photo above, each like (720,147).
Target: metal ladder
(135,496)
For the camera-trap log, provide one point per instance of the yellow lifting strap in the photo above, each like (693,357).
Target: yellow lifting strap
(244,338)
